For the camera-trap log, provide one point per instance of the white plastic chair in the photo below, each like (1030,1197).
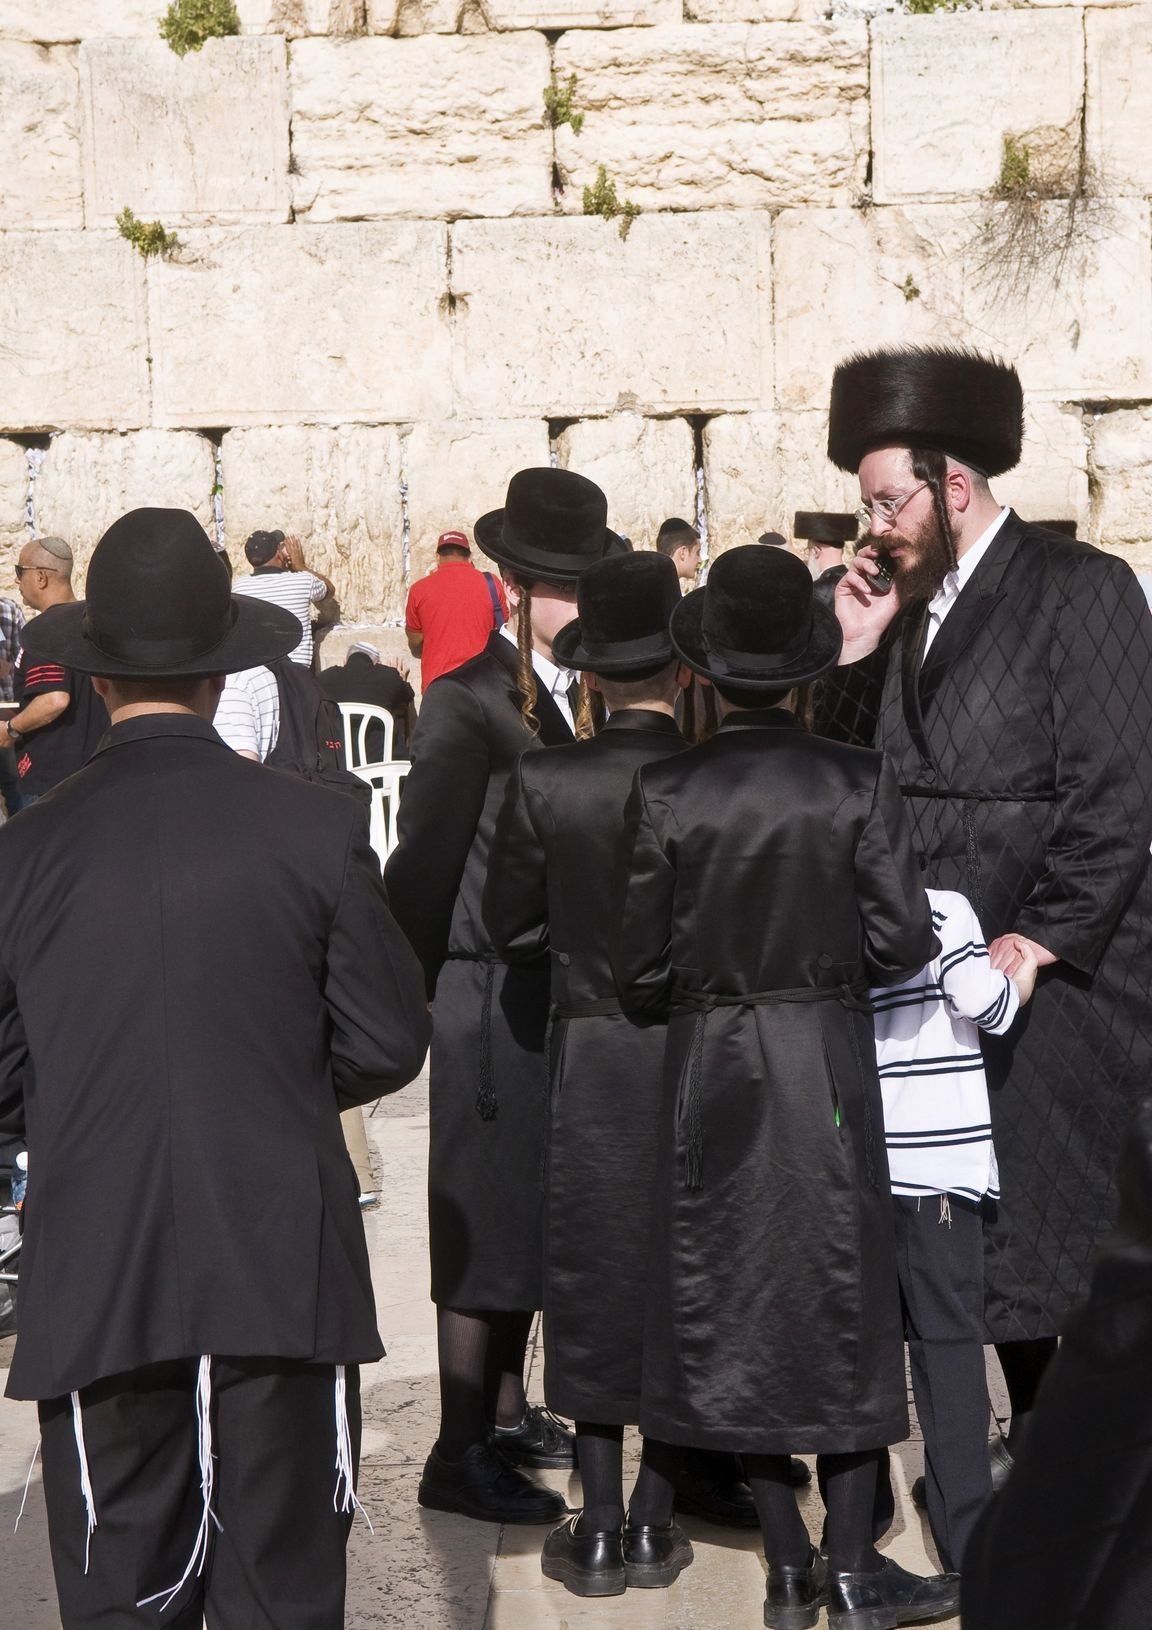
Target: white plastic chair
(383,775)
(358,717)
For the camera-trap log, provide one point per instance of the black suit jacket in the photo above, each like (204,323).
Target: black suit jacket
(198,969)
(382,686)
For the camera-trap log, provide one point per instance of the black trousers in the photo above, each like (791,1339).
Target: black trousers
(277,1560)
(940,1260)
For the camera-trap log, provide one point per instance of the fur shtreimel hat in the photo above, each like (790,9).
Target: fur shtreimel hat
(958,402)
(623,604)
(755,623)
(553,524)
(820,526)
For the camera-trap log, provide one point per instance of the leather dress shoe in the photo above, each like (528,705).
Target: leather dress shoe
(654,1558)
(483,1485)
(585,1564)
(796,1595)
(540,1440)
(890,1596)
(999,1457)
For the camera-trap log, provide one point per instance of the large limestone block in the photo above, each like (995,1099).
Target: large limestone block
(647,467)
(1122,477)
(743,479)
(674,318)
(457,470)
(68,20)
(718,115)
(271,325)
(296,18)
(1119,111)
(1051,481)
(558,14)
(88,480)
(756,11)
(13,500)
(433,126)
(1022,75)
(847,279)
(39,136)
(73,332)
(193,140)
(338,487)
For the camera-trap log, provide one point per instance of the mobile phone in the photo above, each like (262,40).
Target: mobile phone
(885,575)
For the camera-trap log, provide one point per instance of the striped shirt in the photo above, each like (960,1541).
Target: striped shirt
(297,592)
(937,1123)
(248,715)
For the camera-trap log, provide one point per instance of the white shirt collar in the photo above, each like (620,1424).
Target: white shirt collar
(556,681)
(949,591)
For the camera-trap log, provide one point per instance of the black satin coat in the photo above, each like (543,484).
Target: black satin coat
(769,861)
(1023,745)
(552,882)
(488,1073)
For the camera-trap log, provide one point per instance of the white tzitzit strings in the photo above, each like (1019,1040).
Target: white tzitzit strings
(27,1485)
(344,1472)
(204,1438)
(85,1478)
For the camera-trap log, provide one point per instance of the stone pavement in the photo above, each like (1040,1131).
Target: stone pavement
(424,1570)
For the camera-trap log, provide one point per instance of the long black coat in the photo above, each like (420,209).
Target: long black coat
(488,1073)
(1023,746)
(769,861)
(552,882)
(198,971)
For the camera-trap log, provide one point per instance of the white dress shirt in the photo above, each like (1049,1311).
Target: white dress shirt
(556,681)
(948,593)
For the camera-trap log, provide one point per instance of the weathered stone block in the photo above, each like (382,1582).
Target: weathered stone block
(718,115)
(1119,111)
(410,17)
(294,18)
(590,330)
(433,126)
(1051,481)
(457,470)
(1121,460)
(73,331)
(1023,75)
(847,278)
(277,324)
(88,480)
(70,20)
(39,136)
(506,14)
(13,499)
(647,467)
(339,489)
(756,11)
(194,139)
(743,479)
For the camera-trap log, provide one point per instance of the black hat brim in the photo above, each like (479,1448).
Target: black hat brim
(259,633)
(821,652)
(535,564)
(568,651)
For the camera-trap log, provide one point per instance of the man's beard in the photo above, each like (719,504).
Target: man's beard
(928,558)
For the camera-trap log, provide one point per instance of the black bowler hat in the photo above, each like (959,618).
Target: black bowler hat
(755,622)
(157,605)
(821,527)
(553,524)
(623,604)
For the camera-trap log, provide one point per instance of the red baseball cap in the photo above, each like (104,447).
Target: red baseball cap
(452,540)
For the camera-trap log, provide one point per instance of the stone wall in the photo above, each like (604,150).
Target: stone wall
(386,296)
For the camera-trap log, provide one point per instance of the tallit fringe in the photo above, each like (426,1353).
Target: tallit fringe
(344,1470)
(204,1443)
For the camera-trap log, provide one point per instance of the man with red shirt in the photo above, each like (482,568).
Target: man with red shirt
(452,611)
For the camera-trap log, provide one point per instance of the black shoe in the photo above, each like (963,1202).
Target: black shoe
(483,1485)
(540,1440)
(919,1494)
(1002,1461)
(654,1558)
(585,1564)
(796,1595)
(889,1597)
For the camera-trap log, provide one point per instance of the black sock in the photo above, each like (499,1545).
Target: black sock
(1023,1364)
(600,1454)
(462,1345)
(504,1399)
(786,1543)
(849,1484)
(654,1496)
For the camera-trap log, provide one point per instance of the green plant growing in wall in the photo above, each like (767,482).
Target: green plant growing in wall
(149,237)
(560,104)
(921,8)
(188,23)
(1015,169)
(602,199)
(909,288)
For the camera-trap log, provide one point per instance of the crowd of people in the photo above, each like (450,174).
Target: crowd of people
(770,1040)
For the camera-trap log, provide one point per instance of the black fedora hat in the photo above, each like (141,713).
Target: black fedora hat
(821,526)
(755,623)
(623,604)
(553,524)
(158,605)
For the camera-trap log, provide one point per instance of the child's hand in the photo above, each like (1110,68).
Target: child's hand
(1014,955)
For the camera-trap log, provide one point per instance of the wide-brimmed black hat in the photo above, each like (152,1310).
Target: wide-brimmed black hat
(821,526)
(755,622)
(158,605)
(623,604)
(954,401)
(553,524)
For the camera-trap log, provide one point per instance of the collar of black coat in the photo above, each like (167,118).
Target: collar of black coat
(554,727)
(972,606)
(761,718)
(146,726)
(642,718)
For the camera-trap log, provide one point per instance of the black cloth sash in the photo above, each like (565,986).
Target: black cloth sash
(597,1008)
(963,796)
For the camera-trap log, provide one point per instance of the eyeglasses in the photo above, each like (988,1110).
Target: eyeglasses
(20,570)
(886,509)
